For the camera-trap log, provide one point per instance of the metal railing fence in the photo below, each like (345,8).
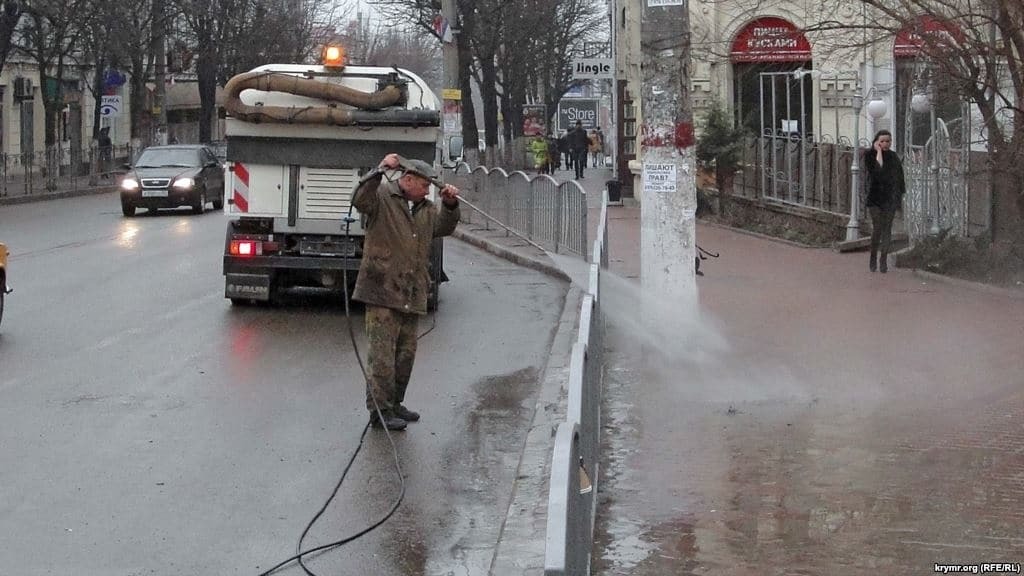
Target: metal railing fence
(575,471)
(551,214)
(806,172)
(555,215)
(59,168)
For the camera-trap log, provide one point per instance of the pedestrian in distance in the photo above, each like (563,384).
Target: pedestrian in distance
(578,143)
(886,185)
(599,156)
(554,156)
(592,147)
(393,281)
(106,151)
(563,150)
(539,148)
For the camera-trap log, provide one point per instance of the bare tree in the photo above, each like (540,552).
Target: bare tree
(571,24)
(103,26)
(376,44)
(51,31)
(421,14)
(230,36)
(10,15)
(516,50)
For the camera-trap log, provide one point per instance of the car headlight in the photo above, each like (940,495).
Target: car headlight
(184,183)
(129,184)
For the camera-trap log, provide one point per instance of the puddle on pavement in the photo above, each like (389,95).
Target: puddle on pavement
(481,465)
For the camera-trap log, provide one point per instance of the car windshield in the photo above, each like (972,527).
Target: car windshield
(168,157)
(220,150)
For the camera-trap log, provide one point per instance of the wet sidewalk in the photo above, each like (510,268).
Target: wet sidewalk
(826,421)
(823,420)
(18,192)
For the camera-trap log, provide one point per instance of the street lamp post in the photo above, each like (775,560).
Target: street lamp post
(922,103)
(876,109)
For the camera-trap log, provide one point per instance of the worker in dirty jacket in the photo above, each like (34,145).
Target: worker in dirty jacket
(393,281)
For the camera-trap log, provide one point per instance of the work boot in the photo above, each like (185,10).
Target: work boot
(406,414)
(883,263)
(391,422)
(873,262)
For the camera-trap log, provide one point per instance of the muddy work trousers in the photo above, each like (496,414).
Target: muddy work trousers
(392,349)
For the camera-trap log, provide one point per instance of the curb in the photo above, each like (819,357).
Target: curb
(518,549)
(969,284)
(521,546)
(510,255)
(761,236)
(10,200)
(960,282)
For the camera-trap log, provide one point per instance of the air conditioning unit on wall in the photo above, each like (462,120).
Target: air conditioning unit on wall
(23,88)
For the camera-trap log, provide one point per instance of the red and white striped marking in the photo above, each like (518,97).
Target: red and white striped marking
(240,188)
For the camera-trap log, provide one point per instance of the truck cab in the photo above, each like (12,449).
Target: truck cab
(299,137)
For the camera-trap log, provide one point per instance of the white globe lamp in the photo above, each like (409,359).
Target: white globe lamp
(920,103)
(877,108)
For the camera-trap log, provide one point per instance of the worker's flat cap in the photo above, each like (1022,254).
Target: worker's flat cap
(421,168)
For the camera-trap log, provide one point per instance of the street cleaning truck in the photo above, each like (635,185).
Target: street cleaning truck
(299,137)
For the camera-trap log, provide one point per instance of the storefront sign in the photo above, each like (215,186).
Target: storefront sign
(770,39)
(592,68)
(110,106)
(930,34)
(572,109)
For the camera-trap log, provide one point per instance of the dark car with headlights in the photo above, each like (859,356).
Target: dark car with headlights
(173,176)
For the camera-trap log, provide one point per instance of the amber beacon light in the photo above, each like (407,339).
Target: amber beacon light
(333,56)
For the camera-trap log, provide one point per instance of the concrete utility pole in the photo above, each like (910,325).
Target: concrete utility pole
(668,183)
(160,90)
(451,95)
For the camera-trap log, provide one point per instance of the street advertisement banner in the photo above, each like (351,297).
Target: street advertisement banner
(535,120)
(572,109)
(452,116)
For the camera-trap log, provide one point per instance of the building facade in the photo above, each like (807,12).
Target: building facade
(786,77)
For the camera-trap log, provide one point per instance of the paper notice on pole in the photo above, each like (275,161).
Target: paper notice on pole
(659,178)
(451,122)
(656,3)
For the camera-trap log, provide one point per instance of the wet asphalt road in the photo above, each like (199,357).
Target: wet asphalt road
(822,420)
(151,428)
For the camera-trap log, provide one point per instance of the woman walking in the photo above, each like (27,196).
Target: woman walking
(886,186)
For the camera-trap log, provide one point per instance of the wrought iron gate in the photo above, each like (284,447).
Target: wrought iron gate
(935,160)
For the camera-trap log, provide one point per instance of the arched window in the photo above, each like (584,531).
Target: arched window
(767,96)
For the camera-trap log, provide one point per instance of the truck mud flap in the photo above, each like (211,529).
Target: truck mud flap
(251,286)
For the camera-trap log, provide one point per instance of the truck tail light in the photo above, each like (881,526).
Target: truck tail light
(246,248)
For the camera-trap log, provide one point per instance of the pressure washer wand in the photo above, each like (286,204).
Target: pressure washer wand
(498,222)
(437,182)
